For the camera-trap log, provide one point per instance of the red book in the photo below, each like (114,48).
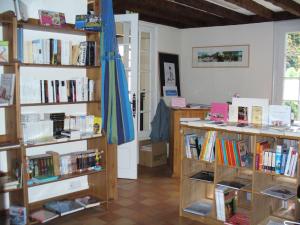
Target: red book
(228,153)
(232,153)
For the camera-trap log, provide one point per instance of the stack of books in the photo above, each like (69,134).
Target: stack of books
(57,91)
(233,153)
(8,183)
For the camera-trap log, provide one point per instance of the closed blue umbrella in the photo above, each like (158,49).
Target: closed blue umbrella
(116,110)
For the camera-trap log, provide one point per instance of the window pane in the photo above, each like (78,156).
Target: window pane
(290,89)
(292,59)
(294,107)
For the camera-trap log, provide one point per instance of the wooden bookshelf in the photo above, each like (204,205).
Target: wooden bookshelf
(102,184)
(251,201)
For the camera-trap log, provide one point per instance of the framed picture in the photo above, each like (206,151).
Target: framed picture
(169,74)
(221,56)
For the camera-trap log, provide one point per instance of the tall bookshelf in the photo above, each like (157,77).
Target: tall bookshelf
(257,206)
(101,184)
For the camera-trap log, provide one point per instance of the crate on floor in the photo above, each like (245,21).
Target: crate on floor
(153,154)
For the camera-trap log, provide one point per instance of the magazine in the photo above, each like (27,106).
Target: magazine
(280,191)
(7,88)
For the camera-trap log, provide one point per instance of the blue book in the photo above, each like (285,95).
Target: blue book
(283,161)
(63,207)
(237,160)
(278,158)
(44,179)
(20,44)
(224,152)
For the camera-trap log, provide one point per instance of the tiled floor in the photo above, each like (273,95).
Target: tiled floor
(151,200)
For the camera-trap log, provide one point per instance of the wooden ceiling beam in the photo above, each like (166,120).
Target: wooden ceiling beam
(254,7)
(177,10)
(287,5)
(160,15)
(160,21)
(216,10)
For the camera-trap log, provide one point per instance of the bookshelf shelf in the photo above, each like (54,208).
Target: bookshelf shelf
(58,66)
(10,190)
(251,202)
(275,175)
(34,24)
(60,103)
(54,142)
(9,146)
(6,64)
(7,106)
(70,176)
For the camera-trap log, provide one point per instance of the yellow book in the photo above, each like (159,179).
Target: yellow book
(97,125)
(256,115)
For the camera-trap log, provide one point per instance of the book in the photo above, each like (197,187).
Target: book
(4,56)
(7,88)
(256,115)
(219,111)
(63,207)
(201,208)
(49,18)
(237,183)
(280,192)
(279,115)
(243,114)
(43,215)
(88,201)
(17,215)
(204,176)
(97,125)
(80,22)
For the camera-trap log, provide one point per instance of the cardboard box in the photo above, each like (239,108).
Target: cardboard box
(154,154)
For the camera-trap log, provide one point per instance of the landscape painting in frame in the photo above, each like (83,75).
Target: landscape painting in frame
(221,56)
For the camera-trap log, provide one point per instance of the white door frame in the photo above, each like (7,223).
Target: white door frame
(128,153)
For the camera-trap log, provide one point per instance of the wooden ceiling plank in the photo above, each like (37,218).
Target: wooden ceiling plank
(287,5)
(216,10)
(254,7)
(158,15)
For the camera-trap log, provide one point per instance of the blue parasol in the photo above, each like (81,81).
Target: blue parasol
(116,110)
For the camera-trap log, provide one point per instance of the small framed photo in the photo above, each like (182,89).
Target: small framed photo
(169,74)
(221,56)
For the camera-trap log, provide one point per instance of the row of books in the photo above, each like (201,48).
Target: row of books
(226,202)
(9,183)
(7,88)
(199,147)
(40,166)
(57,91)
(54,209)
(78,161)
(37,127)
(278,161)
(56,52)
(232,152)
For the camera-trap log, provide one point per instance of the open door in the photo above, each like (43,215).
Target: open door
(127,31)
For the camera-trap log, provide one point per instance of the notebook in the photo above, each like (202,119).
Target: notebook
(43,216)
(88,201)
(63,207)
(200,208)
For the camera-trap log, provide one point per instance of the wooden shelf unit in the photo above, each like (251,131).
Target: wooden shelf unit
(251,201)
(102,184)
(175,144)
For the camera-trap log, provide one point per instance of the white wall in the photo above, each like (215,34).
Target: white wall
(205,85)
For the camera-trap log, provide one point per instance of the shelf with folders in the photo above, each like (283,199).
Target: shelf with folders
(254,185)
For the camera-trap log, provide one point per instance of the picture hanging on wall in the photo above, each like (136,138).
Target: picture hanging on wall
(169,74)
(221,56)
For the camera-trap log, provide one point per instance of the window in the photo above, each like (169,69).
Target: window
(291,76)
(286,79)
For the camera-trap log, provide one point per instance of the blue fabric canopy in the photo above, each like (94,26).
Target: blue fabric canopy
(116,109)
